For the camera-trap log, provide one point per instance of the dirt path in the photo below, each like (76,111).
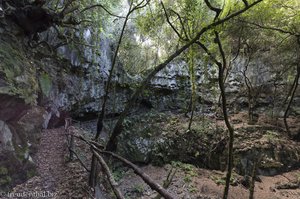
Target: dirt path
(56,177)
(50,158)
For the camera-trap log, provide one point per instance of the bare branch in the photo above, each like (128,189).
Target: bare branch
(79,159)
(65,9)
(245,2)
(216,10)
(50,48)
(103,7)
(212,57)
(167,181)
(140,5)
(238,51)
(147,179)
(218,41)
(71,10)
(75,23)
(271,28)
(172,26)
(181,23)
(59,45)
(109,175)
(143,175)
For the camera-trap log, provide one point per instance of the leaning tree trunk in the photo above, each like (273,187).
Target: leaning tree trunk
(92,177)
(294,88)
(292,91)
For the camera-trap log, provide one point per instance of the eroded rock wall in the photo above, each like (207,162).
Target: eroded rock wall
(39,88)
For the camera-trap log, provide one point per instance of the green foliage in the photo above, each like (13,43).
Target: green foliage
(45,84)
(31,173)
(143,47)
(189,170)
(5,180)
(3,171)
(203,127)
(118,174)
(146,124)
(226,8)
(260,36)
(221,179)
(271,136)
(138,188)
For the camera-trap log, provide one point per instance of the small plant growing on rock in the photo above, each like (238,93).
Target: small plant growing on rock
(118,174)
(188,169)
(220,179)
(271,136)
(138,188)
(192,189)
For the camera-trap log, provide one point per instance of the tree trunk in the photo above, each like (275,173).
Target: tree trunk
(251,110)
(92,180)
(253,177)
(92,176)
(221,67)
(231,135)
(286,113)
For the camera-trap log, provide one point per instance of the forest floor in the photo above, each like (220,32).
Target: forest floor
(56,177)
(194,183)
(59,178)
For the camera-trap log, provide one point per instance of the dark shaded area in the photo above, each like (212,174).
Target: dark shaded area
(18,173)
(56,121)
(12,108)
(31,17)
(146,103)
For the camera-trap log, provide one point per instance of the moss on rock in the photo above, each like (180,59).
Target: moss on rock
(18,70)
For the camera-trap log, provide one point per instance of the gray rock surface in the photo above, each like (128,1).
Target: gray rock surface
(5,138)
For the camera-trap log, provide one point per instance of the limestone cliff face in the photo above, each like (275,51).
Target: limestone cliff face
(86,77)
(39,88)
(172,88)
(20,117)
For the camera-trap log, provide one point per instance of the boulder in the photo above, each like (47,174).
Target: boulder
(5,137)
(19,137)
(162,138)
